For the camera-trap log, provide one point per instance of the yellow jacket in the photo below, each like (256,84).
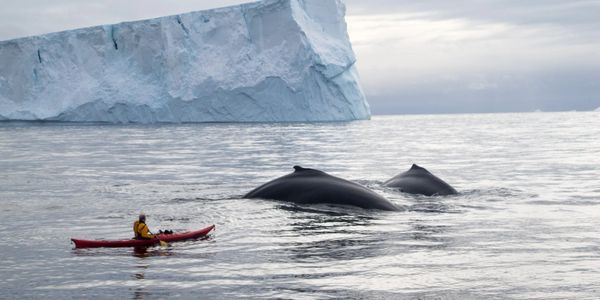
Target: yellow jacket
(141,231)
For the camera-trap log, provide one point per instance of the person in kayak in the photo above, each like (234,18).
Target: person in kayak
(140,229)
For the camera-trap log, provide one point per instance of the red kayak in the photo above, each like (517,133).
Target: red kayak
(143,243)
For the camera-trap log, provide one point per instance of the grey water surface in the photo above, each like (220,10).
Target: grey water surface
(526,224)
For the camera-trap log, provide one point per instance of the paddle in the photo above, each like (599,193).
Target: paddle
(161,242)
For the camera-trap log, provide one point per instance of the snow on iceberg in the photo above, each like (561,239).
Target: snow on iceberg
(273,60)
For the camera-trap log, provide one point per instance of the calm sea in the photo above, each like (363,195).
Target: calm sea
(526,224)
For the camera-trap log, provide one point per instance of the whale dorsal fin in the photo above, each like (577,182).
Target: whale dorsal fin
(416,167)
(306,171)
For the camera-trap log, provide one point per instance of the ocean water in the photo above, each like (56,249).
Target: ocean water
(526,224)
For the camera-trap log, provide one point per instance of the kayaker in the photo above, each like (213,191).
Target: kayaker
(140,229)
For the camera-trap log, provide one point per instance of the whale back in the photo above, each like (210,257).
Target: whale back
(418,180)
(310,186)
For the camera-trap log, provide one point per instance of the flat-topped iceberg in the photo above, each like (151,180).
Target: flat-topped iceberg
(273,60)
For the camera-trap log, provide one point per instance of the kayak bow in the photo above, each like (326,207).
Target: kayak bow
(175,237)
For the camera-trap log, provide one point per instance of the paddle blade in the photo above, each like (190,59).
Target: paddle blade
(163,243)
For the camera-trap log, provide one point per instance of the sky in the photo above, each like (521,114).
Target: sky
(426,56)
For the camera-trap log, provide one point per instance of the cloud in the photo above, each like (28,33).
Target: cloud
(438,57)
(575,12)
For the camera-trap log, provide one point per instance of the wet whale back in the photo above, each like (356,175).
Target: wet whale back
(310,186)
(417,180)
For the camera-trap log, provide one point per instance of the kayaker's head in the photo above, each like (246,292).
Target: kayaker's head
(142,218)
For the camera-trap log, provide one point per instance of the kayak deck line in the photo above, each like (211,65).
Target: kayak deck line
(175,237)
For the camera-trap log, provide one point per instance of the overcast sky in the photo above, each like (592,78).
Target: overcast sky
(426,56)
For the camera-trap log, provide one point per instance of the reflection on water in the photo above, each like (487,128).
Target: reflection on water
(428,235)
(331,234)
(318,218)
(140,293)
(143,252)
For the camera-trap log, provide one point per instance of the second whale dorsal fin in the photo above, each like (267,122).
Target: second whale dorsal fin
(416,167)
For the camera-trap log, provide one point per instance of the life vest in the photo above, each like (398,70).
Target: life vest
(140,229)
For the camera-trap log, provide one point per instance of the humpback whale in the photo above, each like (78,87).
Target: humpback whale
(417,180)
(310,186)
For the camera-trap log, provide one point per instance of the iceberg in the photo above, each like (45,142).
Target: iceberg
(267,61)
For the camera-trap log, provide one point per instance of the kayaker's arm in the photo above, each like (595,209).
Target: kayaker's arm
(145,233)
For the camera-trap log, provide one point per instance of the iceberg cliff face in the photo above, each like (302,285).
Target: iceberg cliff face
(274,60)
